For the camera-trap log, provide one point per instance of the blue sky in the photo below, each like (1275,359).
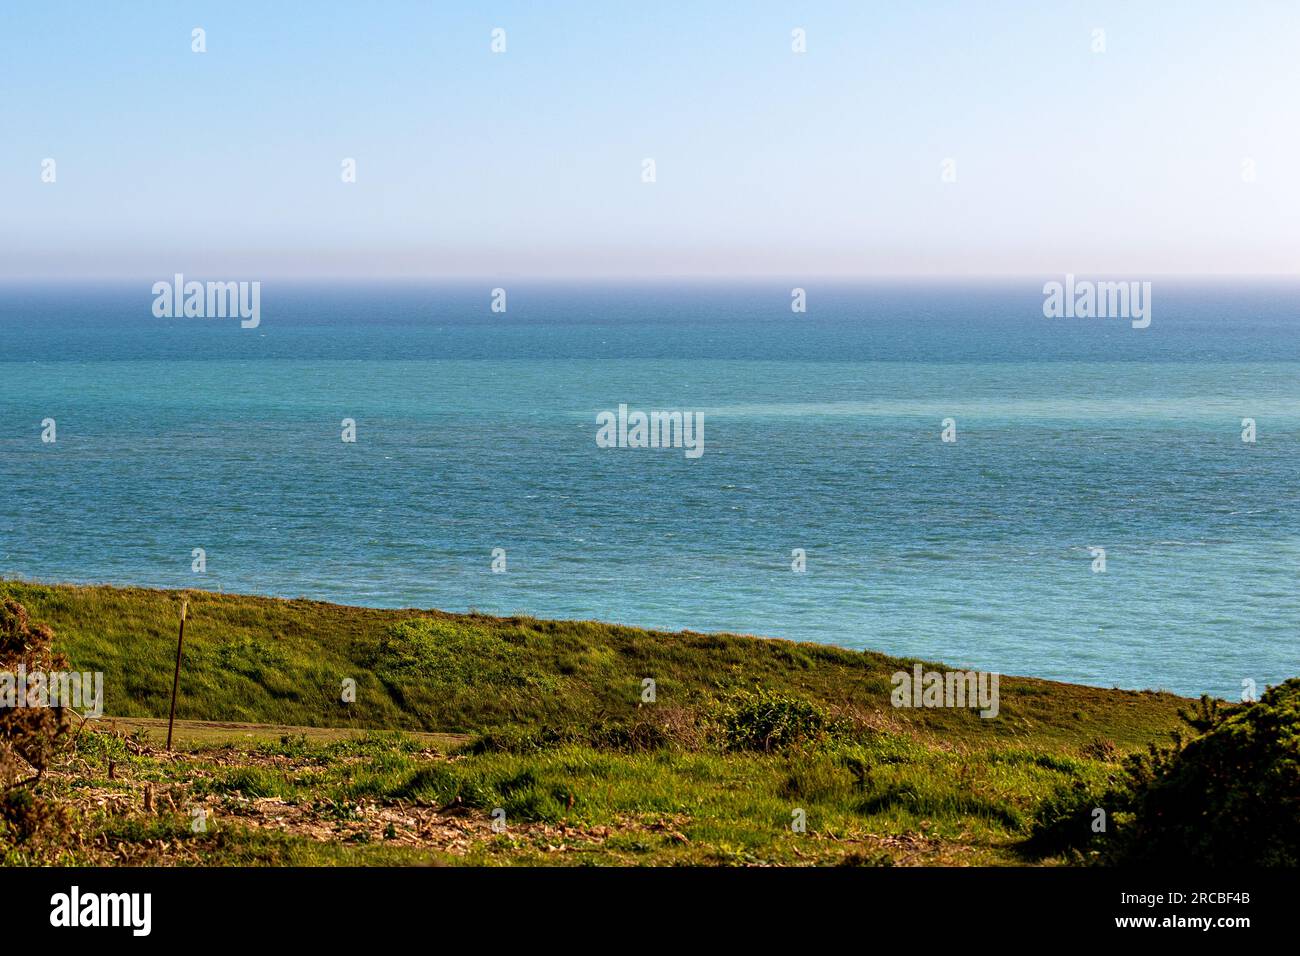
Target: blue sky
(528,163)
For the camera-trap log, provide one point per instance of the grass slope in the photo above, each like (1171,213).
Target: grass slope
(266,660)
(563,747)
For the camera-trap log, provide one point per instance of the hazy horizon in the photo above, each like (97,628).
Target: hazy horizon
(932,141)
(830,280)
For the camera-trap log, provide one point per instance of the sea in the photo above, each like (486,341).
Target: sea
(1095,515)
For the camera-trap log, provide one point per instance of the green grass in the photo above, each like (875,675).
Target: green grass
(554,734)
(892,801)
(188,734)
(272,661)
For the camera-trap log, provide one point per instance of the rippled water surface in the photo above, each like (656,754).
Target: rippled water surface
(822,432)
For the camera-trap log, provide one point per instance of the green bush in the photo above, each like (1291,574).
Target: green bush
(762,720)
(1228,796)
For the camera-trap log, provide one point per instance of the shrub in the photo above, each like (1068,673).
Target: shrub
(762,720)
(28,735)
(31,830)
(1228,797)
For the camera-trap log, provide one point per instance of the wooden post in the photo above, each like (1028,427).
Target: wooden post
(176,677)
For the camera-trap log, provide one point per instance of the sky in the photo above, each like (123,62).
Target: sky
(1174,151)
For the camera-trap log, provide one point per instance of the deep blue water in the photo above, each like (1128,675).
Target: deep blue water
(822,431)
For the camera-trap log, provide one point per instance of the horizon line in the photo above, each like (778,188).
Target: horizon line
(603,278)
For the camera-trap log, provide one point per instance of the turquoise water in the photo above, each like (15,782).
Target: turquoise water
(477,431)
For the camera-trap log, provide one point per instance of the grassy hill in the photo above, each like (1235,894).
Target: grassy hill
(562,742)
(277,661)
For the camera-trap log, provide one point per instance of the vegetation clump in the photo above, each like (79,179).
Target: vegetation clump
(29,735)
(764,720)
(1228,795)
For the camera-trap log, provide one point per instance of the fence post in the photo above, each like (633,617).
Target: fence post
(176,677)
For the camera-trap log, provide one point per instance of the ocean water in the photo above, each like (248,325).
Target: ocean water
(477,431)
